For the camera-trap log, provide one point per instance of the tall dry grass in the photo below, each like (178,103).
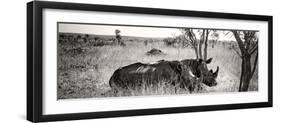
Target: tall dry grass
(85,73)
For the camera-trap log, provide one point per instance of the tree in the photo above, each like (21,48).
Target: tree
(215,37)
(118,37)
(197,42)
(248,45)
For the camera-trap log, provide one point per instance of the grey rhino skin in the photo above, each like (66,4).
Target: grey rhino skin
(183,74)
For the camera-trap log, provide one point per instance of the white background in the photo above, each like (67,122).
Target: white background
(13,61)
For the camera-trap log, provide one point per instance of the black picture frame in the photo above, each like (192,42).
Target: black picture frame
(35,69)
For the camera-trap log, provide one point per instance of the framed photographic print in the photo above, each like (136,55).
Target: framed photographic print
(89,61)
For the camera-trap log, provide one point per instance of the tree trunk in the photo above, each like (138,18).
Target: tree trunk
(201,43)
(200,51)
(245,74)
(196,52)
(206,46)
(241,76)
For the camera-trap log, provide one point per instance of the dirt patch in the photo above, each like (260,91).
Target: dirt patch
(154,51)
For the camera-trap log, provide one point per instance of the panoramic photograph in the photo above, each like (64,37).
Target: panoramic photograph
(108,60)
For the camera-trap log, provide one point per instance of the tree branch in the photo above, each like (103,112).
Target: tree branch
(253,50)
(239,41)
(206,45)
(246,38)
(249,38)
(255,65)
(190,42)
(252,35)
(202,38)
(192,35)
(237,52)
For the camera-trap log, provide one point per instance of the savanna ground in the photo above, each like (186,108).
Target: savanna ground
(85,67)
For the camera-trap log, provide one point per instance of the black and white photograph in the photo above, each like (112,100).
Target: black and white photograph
(91,61)
(109,60)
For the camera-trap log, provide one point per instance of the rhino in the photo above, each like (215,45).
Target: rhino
(183,74)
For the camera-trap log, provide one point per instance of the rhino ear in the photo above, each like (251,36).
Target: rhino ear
(209,61)
(179,67)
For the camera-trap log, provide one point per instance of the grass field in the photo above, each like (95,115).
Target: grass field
(84,69)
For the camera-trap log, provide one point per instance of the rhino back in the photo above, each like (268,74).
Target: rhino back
(135,75)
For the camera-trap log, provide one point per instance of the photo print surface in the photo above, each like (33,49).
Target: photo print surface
(107,60)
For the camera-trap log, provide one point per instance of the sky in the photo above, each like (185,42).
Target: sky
(153,32)
(125,30)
